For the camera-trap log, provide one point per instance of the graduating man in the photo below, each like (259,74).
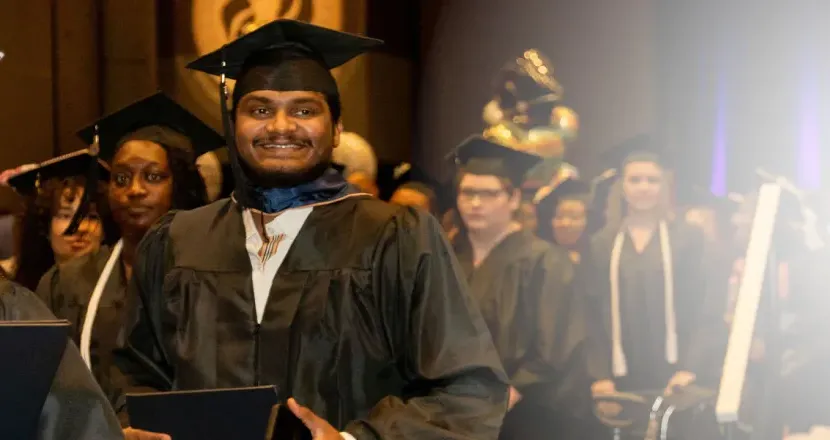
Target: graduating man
(522,285)
(354,307)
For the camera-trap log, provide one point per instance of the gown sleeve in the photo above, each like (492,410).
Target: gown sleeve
(75,408)
(703,293)
(457,388)
(590,295)
(142,363)
(549,309)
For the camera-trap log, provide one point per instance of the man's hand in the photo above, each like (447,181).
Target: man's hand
(137,434)
(514,398)
(320,429)
(8,174)
(603,388)
(679,380)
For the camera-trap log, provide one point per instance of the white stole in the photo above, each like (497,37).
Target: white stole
(94,300)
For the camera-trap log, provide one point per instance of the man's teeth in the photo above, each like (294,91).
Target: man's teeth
(282,146)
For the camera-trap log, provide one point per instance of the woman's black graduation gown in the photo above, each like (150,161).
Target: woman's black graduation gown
(642,306)
(66,290)
(368,322)
(75,408)
(524,290)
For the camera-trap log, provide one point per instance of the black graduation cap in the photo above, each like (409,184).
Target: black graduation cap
(569,188)
(31,353)
(394,176)
(332,48)
(73,164)
(478,155)
(642,144)
(412,175)
(157,109)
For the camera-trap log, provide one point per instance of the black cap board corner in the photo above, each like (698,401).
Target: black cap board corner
(69,165)
(333,48)
(155,110)
(479,155)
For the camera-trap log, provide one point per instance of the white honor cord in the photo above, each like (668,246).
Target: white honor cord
(618,361)
(664,424)
(94,300)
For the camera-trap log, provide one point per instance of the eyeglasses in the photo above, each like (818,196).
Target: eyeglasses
(485,195)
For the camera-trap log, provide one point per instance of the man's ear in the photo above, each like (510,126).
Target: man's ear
(337,130)
(515,200)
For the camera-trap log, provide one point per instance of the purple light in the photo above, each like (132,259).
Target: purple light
(718,183)
(809,142)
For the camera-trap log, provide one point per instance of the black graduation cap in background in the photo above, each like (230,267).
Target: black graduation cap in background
(569,188)
(157,109)
(69,165)
(478,155)
(104,135)
(332,48)
(393,176)
(641,144)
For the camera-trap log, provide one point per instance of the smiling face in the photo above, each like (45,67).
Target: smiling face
(643,185)
(141,186)
(569,221)
(285,138)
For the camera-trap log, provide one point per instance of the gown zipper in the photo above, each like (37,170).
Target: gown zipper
(256,355)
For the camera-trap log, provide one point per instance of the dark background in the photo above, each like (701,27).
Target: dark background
(750,77)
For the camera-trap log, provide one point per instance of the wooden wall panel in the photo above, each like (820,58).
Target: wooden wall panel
(77,79)
(130,63)
(26,82)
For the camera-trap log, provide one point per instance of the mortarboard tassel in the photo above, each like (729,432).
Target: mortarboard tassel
(90,189)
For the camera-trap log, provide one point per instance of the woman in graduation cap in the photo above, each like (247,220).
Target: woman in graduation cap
(644,283)
(563,217)
(521,284)
(152,147)
(52,193)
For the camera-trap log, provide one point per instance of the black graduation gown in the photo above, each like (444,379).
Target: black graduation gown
(66,289)
(523,288)
(642,306)
(75,409)
(368,323)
